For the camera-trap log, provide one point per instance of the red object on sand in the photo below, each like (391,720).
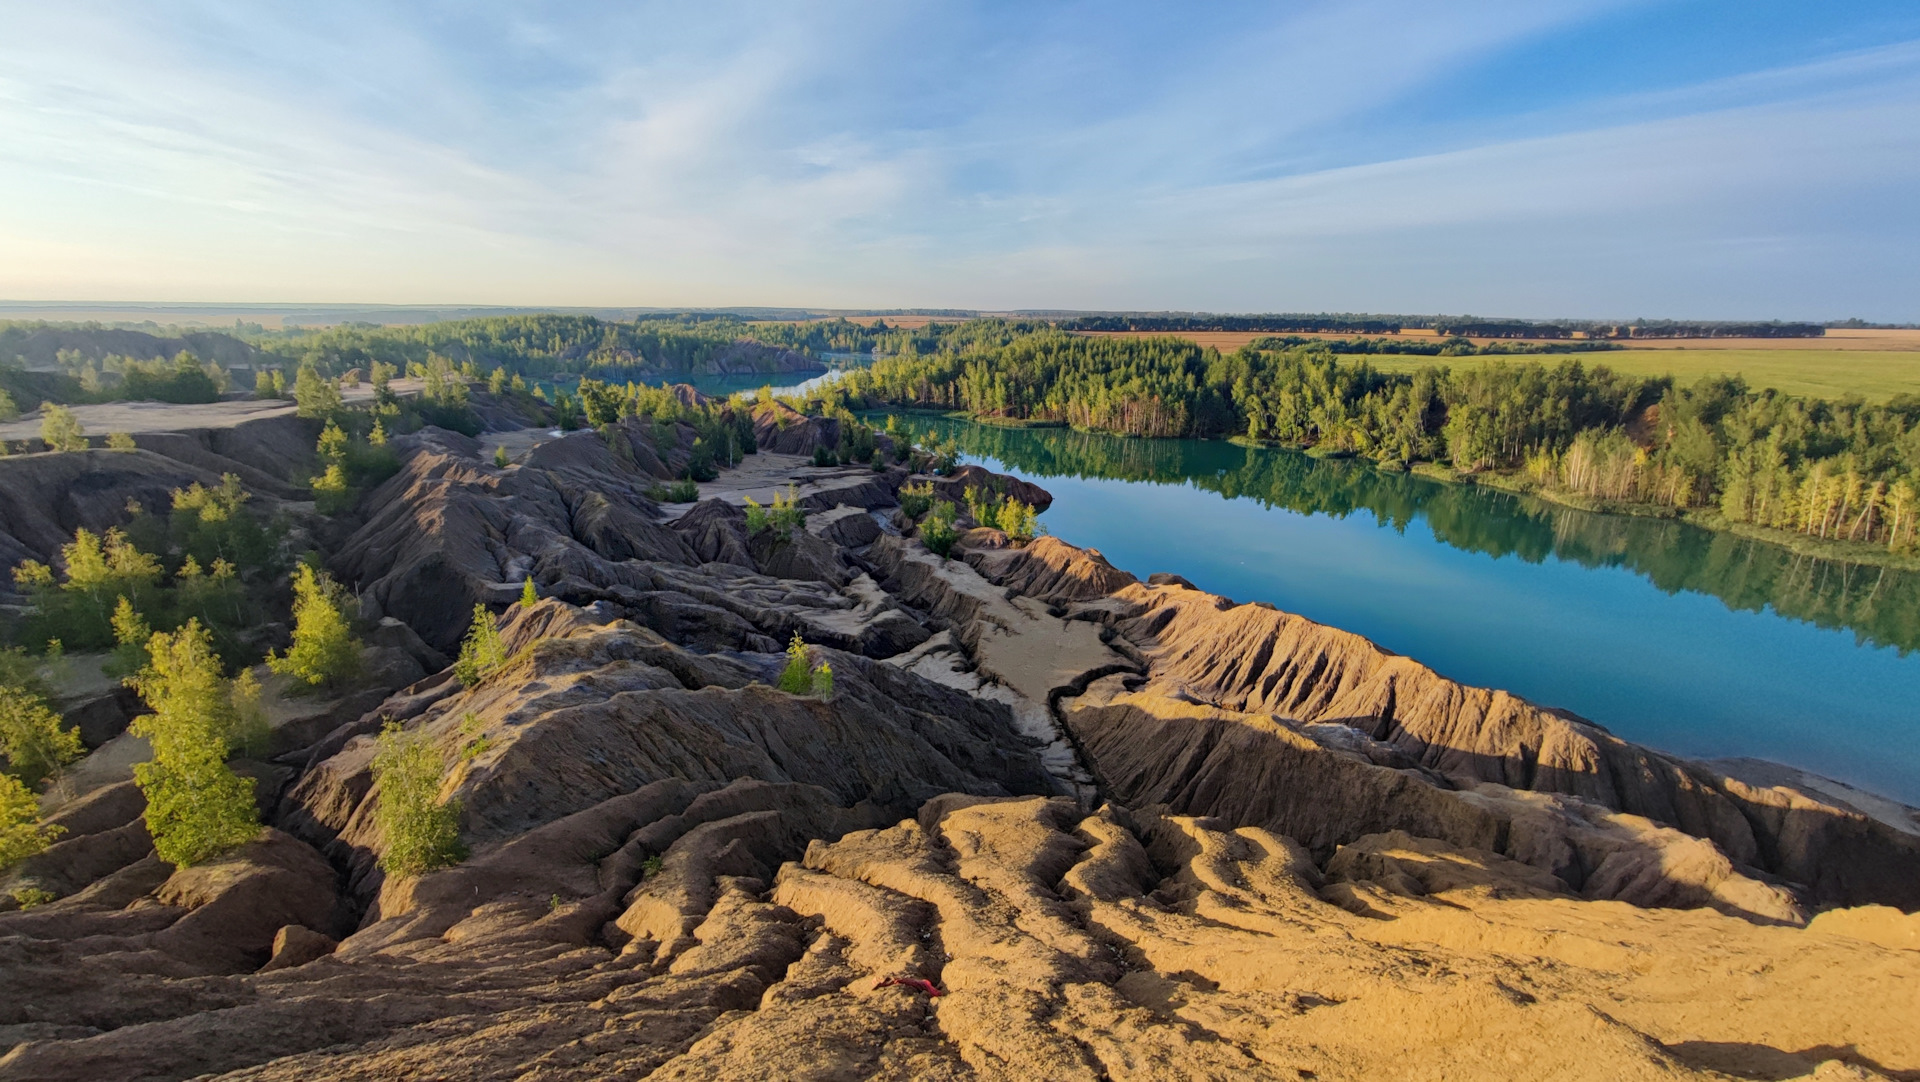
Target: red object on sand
(918,983)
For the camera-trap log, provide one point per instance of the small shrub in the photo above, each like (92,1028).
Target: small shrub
(482,652)
(120,441)
(801,677)
(422,832)
(782,518)
(331,492)
(28,897)
(332,445)
(983,506)
(21,833)
(251,733)
(685,490)
(131,632)
(937,532)
(500,457)
(916,500)
(824,457)
(651,866)
(37,748)
(473,739)
(1018,520)
(324,650)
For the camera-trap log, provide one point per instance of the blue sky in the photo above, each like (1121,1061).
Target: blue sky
(1538,158)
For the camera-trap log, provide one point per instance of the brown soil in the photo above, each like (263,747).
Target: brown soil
(1052,822)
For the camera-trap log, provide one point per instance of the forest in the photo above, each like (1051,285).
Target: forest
(1467,326)
(1828,469)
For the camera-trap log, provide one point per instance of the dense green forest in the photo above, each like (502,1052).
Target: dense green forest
(1828,469)
(1880,605)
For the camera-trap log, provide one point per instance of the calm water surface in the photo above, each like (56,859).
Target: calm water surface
(1696,642)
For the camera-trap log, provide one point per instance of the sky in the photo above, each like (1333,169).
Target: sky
(1530,158)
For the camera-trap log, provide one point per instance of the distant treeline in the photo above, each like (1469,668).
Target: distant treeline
(1430,347)
(1464,326)
(1829,469)
(39,344)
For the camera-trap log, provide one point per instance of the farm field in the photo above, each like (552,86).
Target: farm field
(1876,364)
(1876,375)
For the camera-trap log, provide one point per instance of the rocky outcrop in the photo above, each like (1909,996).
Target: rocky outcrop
(957,485)
(591,711)
(780,428)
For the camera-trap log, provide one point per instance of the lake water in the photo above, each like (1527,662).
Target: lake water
(1695,642)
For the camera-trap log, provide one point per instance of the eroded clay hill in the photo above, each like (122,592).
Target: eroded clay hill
(1052,823)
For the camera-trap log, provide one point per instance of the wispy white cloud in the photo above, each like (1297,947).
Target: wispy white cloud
(855,154)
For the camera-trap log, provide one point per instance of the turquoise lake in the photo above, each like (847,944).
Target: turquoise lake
(1695,642)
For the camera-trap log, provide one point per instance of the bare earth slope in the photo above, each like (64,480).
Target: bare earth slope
(1052,823)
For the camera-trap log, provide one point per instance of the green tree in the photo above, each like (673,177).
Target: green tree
(251,732)
(197,807)
(78,608)
(313,395)
(61,430)
(8,410)
(35,745)
(482,652)
(443,384)
(783,517)
(21,833)
(324,650)
(130,632)
(332,446)
(528,596)
(331,492)
(500,459)
(421,832)
(120,441)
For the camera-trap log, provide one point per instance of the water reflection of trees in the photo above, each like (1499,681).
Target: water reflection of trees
(1880,606)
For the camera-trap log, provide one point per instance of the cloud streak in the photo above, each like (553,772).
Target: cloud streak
(853,155)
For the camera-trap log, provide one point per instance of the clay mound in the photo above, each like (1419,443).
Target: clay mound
(781,429)
(1257,660)
(1051,570)
(967,478)
(1062,945)
(45,497)
(593,711)
(450,531)
(716,531)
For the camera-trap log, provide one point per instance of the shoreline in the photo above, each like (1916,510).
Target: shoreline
(1851,552)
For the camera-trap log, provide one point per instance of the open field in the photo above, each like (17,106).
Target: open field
(1874,374)
(1875,340)
(1877,364)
